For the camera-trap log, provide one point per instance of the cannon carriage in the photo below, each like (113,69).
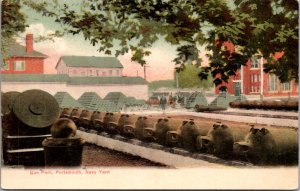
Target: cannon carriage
(26,126)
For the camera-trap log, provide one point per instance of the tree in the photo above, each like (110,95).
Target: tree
(188,78)
(253,26)
(161,84)
(268,27)
(12,22)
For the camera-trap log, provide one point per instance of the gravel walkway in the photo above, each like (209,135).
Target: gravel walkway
(97,156)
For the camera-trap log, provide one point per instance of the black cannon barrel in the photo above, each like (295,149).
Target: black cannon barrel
(218,141)
(268,146)
(36,108)
(111,122)
(145,128)
(75,115)
(66,112)
(33,112)
(163,126)
(7,101)
(85,119)
(185,136)
(97,121)
(127,126)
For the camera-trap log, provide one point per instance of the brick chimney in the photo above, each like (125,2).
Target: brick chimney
(29,43)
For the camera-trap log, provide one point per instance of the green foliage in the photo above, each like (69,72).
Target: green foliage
(161,83)
(273,27)
(189,78)
(12,22)
(254,26)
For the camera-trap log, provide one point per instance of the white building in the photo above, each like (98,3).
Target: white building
(89,66)
(79,74)
(130,86)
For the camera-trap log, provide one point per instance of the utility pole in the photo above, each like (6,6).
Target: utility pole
(242,79)
(145,73)
(261,78)
(177,82)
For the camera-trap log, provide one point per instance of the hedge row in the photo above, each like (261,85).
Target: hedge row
(201,108)
(266,105)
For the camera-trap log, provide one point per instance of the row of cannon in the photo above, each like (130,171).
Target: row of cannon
(29,117)
(258,146)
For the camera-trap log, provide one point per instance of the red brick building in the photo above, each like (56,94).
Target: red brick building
(23,59)
(251,80)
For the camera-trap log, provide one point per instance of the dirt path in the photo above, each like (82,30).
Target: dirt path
(97,156)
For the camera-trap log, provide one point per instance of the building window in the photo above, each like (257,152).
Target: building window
(74,72)
(118,72)
(286,86)
(90,72)
(110,72)
(103,73)
(19,65)
(272,83)
(97,72)
(255,89)
(255,78)
(254,62)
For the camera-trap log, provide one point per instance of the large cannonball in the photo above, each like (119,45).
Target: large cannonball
(63,128)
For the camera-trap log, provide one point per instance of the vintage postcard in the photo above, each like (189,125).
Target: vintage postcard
(153,94)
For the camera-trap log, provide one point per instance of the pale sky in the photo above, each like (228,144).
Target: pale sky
(160,65)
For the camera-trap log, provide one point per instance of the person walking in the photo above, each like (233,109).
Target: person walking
(163,102)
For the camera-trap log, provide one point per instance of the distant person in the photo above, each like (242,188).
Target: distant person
(175,99)
(163,102)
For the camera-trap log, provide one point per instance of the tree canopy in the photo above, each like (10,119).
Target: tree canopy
(12,21)
(188,78)
(261,27)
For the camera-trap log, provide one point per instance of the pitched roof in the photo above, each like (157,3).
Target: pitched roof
(196,98)
(130,100)
(86,80)
(64,100)
(107,106)
(89,100)
(107,80)
(17,50)
(115,96)
(223,100)
(90,62)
